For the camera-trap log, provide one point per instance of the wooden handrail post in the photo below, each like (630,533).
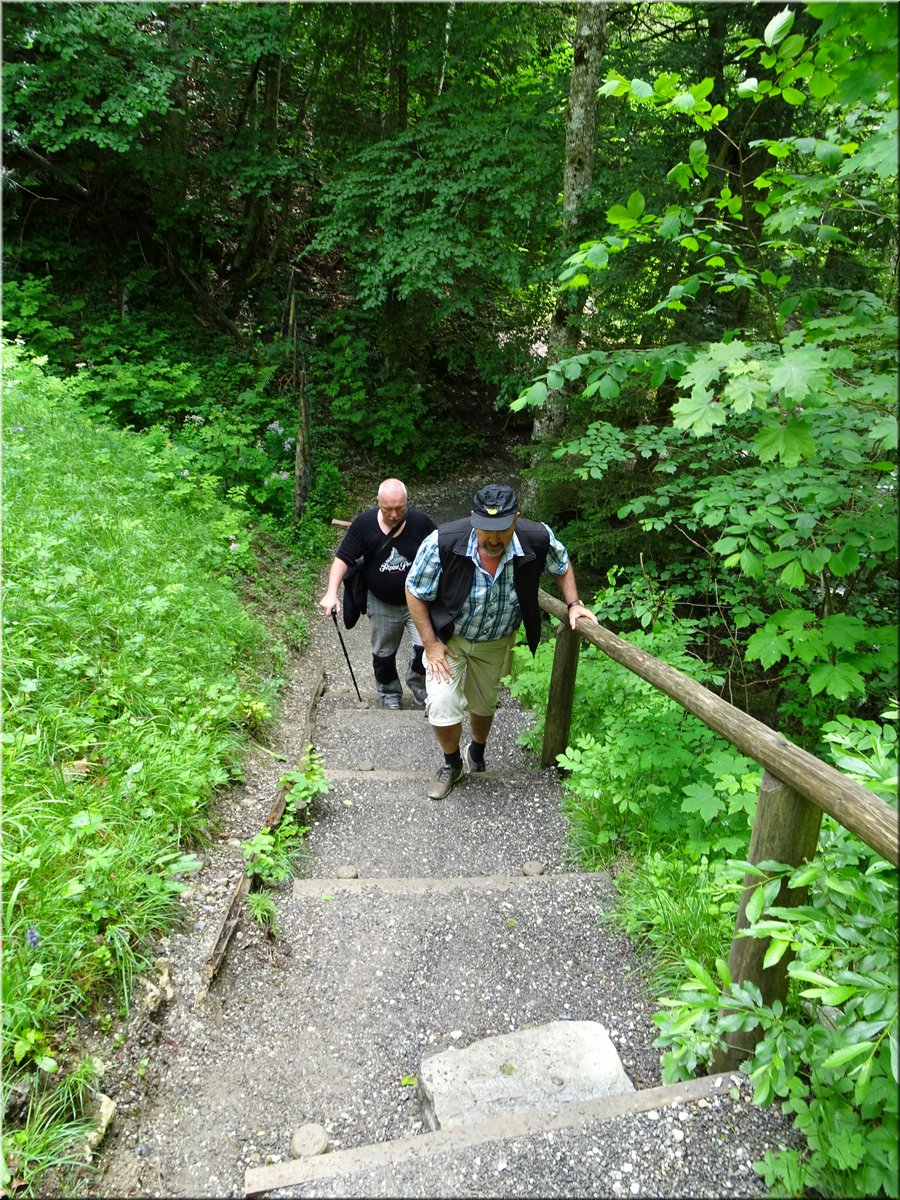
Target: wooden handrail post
(561,694)
(785,829)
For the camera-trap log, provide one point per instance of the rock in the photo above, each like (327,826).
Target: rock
(105,1115)
(165,983)
(347,871)
(531,1068)
(152,997)
(366,766)
(533,867)
(309,1140)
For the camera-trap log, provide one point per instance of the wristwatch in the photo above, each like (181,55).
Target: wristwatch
(572,603)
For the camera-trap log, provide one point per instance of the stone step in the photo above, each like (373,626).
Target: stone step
(373,977)
(316,888)
(367,770)
(442,1163)
(404,740)
(384,824)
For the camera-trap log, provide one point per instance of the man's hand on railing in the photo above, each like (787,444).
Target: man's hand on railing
(577,610)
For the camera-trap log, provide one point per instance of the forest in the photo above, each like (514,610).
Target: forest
(258,256)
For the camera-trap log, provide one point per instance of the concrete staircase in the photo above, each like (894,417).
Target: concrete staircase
(421,926)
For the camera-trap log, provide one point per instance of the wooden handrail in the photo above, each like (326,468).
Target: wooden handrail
(796,789)
(855,807)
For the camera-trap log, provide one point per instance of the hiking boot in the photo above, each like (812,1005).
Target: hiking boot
(444,780)
(390,700)
(472,764)
(418,696)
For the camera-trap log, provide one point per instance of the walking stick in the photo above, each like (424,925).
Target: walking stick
(346,655)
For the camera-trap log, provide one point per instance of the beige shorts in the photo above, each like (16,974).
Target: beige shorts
(476,670)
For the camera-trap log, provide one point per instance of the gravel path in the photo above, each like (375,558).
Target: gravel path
(328,1023)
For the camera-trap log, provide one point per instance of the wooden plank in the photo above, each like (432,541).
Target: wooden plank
(855,807)
(232,914)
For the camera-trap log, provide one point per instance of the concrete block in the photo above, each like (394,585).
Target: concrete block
(530,1068)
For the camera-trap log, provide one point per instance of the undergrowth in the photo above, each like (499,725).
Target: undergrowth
(133,677)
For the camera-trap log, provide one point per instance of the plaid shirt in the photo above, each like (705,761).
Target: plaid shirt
(492,609)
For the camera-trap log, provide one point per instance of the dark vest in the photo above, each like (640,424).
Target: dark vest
(458,571)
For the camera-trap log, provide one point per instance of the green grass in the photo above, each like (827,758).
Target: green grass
(675,908)
(133,676)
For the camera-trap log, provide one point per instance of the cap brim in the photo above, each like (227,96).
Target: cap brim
(493,523)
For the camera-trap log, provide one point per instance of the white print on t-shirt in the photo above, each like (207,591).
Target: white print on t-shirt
(395,562)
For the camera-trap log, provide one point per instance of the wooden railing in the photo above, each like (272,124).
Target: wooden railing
(796,789)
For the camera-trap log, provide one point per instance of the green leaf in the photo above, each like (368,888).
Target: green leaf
(837,679)
(790,443)
(701,798)
(847,1054)
(619,215)
(793,96)
(779,27)
(698,414)
(885,432)
(776,952)
(796,971)
(670,226)
(607,387)
(804,874)
(751,564)
(685,102)
(828,154)
(845,562)
(755,905)
(797,374)
(767,647)
(793,575)
(613,87)
(533,397)
(820,85)
(640,89)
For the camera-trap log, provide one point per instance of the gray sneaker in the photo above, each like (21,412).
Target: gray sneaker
(390,700)
(472,766)
(418,696)
(444,780)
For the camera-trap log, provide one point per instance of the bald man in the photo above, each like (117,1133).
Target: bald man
(388,537)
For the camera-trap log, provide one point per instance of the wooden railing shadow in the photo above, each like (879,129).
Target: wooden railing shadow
(796,789)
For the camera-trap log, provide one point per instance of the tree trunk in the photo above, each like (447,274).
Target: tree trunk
(396,106)
(448,24)
(578,172)
(258,204)
(176,136)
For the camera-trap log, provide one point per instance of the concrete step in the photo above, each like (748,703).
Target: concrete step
(454,1162)
(404,740)
(384,824)
(372,977)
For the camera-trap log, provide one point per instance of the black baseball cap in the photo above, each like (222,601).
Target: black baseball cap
(496,506)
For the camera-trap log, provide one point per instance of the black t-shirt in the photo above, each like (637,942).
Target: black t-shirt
(387,570)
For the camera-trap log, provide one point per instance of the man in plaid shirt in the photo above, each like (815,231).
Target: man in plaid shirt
(471,584)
